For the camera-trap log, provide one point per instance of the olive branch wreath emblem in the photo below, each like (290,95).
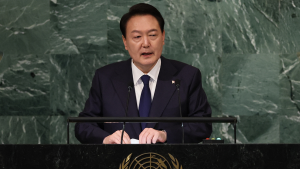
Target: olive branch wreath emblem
(124,164)
(126,161)
(175,162)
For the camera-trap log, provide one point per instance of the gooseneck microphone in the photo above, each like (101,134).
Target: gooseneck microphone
(130,86)
(177,84)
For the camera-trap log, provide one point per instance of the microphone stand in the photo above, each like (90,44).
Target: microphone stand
(177,84)
(129,89)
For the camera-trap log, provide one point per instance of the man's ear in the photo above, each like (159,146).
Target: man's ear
(124,41)
(163,37)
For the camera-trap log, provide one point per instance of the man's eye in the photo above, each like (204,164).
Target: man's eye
(152,35)
(137,37)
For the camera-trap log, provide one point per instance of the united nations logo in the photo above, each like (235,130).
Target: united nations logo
(151,161)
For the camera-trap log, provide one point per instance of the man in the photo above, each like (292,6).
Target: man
(153,94)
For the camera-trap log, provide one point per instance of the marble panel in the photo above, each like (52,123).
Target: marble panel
(262,90)
(209,65)
(114,4)
(24,29)
(24,85)
(58,131)
(250,84)
(259,129)
(289,22)
(78,26)
(116,51)
(290,84)
(192,27)
(71,79)
(24,129)
(250,26)
(250,129)
(289,129)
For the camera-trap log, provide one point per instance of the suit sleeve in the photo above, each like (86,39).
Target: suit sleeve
(197,106)
(92,132)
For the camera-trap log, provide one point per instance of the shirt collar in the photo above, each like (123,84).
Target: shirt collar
(137,73)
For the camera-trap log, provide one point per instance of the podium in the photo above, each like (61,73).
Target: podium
(187,156)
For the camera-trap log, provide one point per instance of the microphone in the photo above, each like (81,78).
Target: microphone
(130,86)
(177,84)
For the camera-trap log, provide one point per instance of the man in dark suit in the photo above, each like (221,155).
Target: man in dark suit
(154,93)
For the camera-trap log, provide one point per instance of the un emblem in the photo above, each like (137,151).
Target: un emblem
(149,160)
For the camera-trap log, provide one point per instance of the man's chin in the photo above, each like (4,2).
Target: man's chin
(149,61)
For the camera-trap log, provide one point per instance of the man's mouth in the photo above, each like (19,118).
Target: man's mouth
(147,54)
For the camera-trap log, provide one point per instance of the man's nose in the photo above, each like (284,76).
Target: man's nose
(146,42)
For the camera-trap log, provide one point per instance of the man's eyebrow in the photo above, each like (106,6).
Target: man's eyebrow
(136,31)
(152,30)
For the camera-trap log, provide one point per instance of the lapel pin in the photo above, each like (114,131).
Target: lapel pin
(173,81)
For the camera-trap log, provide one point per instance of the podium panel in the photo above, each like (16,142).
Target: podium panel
(189,156)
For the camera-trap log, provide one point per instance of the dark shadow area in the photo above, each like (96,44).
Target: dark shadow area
(1,55)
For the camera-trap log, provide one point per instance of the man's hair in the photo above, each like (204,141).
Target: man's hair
(141,9)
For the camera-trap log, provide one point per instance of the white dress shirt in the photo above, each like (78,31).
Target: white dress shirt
(138,83)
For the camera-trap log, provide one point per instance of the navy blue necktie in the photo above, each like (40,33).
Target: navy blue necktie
(145,101)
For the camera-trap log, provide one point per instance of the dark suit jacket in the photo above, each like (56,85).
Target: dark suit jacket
(108,96)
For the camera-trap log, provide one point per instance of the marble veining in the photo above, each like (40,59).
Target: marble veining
(248,52)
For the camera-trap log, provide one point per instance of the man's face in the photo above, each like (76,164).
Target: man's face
(144,41)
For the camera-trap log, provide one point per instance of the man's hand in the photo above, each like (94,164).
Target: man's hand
(150,135)
(115,138)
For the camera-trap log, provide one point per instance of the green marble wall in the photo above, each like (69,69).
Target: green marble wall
(247,50)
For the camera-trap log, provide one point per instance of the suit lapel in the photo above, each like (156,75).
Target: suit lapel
(164,90)
(120,82)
